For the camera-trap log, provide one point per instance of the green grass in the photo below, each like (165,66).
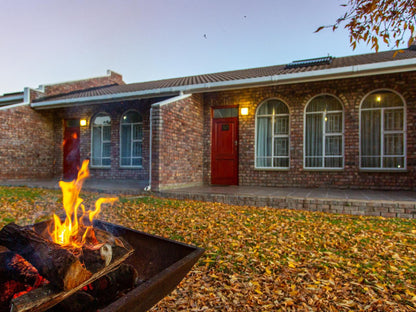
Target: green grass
(263,259)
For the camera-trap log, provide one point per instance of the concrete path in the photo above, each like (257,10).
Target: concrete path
(323,193)
(131,187)
(135,187)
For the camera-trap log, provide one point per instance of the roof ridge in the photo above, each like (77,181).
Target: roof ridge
(256,68)
(51,97)
(206,81)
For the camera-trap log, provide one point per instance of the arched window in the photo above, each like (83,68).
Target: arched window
(272,135)
(101,141)
(324,133)
(131,139)
(382,131)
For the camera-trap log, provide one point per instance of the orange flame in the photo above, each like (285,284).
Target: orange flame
(72,232)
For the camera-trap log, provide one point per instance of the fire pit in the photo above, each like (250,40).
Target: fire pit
(161,264)
(79,263)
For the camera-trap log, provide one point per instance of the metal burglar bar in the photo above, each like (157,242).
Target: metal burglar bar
(324,138)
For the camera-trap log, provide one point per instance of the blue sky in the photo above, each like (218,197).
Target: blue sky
(50,41)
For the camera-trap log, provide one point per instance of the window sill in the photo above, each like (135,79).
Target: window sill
(324,169)
(100,167)
(131,167)
(272,169)
(384,170)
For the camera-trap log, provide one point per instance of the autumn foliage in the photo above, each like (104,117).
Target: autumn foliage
(372,21)
(263,259)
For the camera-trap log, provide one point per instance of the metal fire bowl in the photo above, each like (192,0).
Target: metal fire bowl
(162,263)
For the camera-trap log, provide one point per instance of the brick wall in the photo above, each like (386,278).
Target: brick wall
(178,143)
(296,96)
(26,144)
(70,86)
(386,209)
(115,111)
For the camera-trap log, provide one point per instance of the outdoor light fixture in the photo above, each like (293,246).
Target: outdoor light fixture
(244,111)
(83,122)
(378,99)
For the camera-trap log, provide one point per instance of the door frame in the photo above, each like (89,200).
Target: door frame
(236,118)
(75,129)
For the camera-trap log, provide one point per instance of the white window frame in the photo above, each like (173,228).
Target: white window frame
(102,141)
(273,116)
(325,135)
(132,141)
(382,132)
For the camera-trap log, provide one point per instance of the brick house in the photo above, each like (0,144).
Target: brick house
(347,122)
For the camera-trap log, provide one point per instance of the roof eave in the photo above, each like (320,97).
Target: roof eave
(388,67)
(108,98)
(8,100)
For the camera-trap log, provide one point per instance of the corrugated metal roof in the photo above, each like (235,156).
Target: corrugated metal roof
(236,75)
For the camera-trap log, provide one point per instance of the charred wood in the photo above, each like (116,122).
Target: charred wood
(7,290)
(78,302)
(107,288)
(96,259)
(15,267)
(57,264)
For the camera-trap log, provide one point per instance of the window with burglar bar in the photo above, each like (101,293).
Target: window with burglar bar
(101,141)
(324,135)
(131,140)
(272,135)
(382,132)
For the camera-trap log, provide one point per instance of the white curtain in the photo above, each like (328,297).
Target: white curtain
(370,139)
(264,141)
(314,140)
(96,146)
(126,145)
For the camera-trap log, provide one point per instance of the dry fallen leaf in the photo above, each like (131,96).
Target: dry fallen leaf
(262,259)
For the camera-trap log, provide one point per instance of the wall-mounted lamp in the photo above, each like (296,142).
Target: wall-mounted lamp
(244,111)
(83,122)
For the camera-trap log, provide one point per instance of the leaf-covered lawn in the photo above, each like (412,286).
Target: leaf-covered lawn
(263,259)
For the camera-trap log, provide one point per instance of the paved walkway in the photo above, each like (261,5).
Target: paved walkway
(323,193)
(131,187)
(357,202)
(137,187)
(389,204)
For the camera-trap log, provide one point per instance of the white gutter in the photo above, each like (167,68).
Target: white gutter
(158,104)
(99,99)
(25,98)
(308,76)
(149,187)
(172,100)
(11,98)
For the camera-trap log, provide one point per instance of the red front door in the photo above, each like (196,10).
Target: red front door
(225,151)
(71,149)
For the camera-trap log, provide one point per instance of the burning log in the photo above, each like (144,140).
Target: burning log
(47,296)
(100,292)
(80,301)
(62,268)
(15,267)
(16,276)
(96,258)
(111,285)
(7,291)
